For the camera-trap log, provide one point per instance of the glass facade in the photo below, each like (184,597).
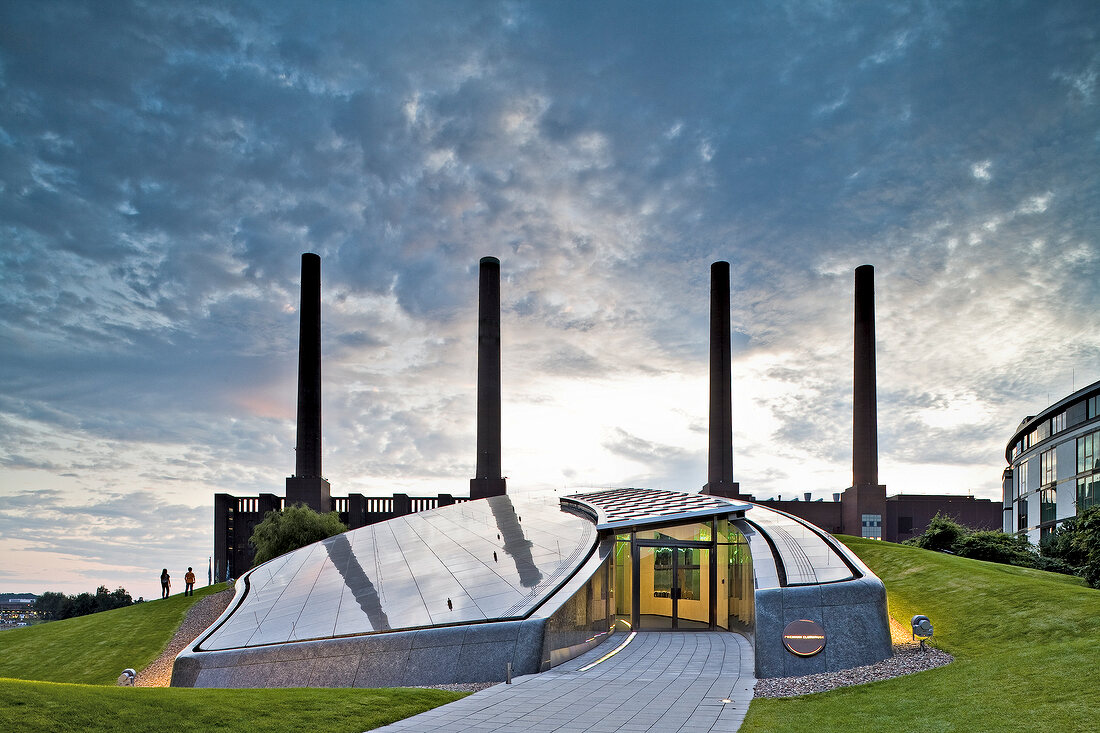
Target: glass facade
(582,621)
(1088,452)
(1088,492)
(1048,467)
(624,566)
(1058,423)
(1088,463)
(688,576)
(735,574)
(1048,505)
(1044,436)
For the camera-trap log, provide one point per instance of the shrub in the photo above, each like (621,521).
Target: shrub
(1054,565)
(293,527)
(943,534)
(996,546)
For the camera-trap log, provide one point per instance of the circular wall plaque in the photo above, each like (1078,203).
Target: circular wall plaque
(804,638)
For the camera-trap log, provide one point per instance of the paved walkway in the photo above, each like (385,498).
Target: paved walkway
(661,681)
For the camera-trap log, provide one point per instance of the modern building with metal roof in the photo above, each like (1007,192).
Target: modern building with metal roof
(518,583)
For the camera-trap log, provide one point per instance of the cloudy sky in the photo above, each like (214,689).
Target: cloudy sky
(164,165)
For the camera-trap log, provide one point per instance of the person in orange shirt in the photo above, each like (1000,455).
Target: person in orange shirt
(189,583)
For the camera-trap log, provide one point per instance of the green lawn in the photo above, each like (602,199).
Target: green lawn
(48,707)
(94,649)
(1025,646)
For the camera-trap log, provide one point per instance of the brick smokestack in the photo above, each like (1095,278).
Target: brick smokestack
(306,485)
(487,480)
(720,458)
(864,398)
(863,506)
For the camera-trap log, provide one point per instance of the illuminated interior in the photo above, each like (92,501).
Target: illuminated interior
(686,576)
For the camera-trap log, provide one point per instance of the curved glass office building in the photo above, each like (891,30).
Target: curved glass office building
(521,582)
(1053,465)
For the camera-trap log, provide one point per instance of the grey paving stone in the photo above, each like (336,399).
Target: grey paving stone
(662,681)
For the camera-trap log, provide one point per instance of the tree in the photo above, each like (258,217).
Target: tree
(57,606)
(1086,541)
(1059,544)
(53,605)
(293,527)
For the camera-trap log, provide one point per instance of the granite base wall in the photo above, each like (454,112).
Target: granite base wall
(448,655)
(852,613)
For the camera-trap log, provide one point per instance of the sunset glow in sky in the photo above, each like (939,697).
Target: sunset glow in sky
(164,165)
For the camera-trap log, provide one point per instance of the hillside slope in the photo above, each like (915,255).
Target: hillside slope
(1025,646)
(94,649)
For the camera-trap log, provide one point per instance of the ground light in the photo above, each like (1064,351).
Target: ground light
(922,629)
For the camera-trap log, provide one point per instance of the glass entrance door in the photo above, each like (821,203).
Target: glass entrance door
(673,587)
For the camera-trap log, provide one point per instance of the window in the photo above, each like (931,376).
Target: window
(1048,467)
(1088,492)
(1094,406)
(872,526)
(1058,423)
(1048,505)
(1088,452)
(1021,515)
(1020,475)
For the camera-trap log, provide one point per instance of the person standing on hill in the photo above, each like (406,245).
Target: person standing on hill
(189,583)
(165,583)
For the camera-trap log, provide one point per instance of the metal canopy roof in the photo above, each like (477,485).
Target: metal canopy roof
(488,560)
(615,508)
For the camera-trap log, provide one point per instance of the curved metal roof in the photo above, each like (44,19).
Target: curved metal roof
(615,508)
(488,560)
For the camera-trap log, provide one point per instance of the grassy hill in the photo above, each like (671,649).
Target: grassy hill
(93,650)
(1025,646)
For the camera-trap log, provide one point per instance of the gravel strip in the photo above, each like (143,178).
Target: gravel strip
(461,686)
(908,658)
(198,619)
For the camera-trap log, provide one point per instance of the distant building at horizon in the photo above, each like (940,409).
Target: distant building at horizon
(906,515)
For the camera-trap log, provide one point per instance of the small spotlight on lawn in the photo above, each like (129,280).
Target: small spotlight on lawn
(922,629)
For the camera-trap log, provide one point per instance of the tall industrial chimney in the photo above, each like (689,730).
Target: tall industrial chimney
(307,486)
(487,480)
(864,504)
(864,398)
(720,459)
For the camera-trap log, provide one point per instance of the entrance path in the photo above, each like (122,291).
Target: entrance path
(661,681)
